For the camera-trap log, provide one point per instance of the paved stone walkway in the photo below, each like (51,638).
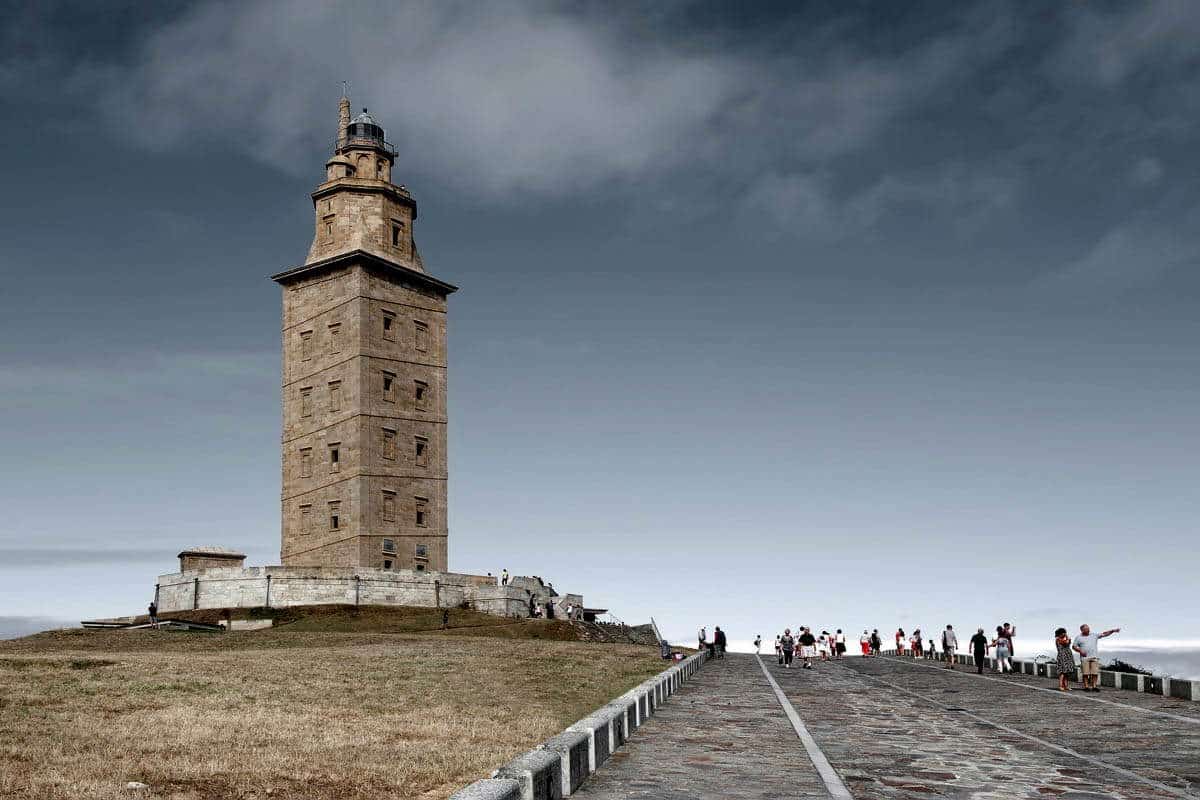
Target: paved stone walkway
(723,734)
(895,729)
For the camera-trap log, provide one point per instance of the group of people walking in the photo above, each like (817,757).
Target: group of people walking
(1086,644)
(826,646)
(716,647)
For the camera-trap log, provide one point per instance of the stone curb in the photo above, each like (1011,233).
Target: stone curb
(1165,685)
(491,789)
(557,767)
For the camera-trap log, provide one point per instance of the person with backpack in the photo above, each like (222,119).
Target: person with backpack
(864,642)
(949,645)
(876,643)
(787,646)
(839,644)
(719,641)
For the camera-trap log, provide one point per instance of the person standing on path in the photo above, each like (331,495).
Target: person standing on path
(153,609)
(900,641)
(839,644)
(787,646)
(1003,651)
(930,650)
(864,642)
(504,577)
(1066,659)
(918,645)
(950,645)
(757,644)
(719,641)
(979,646)
(808,647)
(876,643)
(779,650)
(1087,644)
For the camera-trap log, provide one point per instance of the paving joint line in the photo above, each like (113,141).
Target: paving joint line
(1056,747)
(1065,695)
(833,782)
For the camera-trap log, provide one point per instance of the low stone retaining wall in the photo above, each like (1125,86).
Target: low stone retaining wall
(1164,685)
(558,766)
(278,587)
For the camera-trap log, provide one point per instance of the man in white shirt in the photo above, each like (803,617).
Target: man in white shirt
(1087,644)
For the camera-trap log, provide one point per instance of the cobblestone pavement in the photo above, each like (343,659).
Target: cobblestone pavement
(898,730)
(723,735)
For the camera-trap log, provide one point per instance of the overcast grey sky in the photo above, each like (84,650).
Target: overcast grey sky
(838,313)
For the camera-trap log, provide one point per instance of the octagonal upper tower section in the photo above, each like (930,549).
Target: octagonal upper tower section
(357,206)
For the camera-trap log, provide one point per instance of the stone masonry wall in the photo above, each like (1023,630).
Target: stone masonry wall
(254,587)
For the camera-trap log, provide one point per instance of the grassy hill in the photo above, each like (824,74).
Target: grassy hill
(332,702)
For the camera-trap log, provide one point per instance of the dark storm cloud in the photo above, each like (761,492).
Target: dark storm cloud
(826,124)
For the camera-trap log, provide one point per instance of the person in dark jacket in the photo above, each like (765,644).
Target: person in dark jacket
(719,641)
(979,647)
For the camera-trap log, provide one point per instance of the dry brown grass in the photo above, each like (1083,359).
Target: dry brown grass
(288,713)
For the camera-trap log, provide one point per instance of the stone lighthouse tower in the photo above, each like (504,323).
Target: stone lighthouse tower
(364,373)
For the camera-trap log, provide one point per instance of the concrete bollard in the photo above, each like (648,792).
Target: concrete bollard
(574,758)
(539,772)
(490,789)
(598,730)
(1183,689)
(619,714)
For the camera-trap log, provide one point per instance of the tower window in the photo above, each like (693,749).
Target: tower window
(420,567)
(387,563)
(421,394)
(389,326)
(306,518)
(421,336)
(422,551)
(421,451)
(389,545)
(389,387)
(306,345)
(389,506)
(305,462)
(335,456)
(328,226)
(389,444)
(335,337)
(422,509)
(397,234)
(306,401)
(335,395)
(335,515)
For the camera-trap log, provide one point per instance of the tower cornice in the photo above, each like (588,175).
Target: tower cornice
(366,186)
(370,259)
